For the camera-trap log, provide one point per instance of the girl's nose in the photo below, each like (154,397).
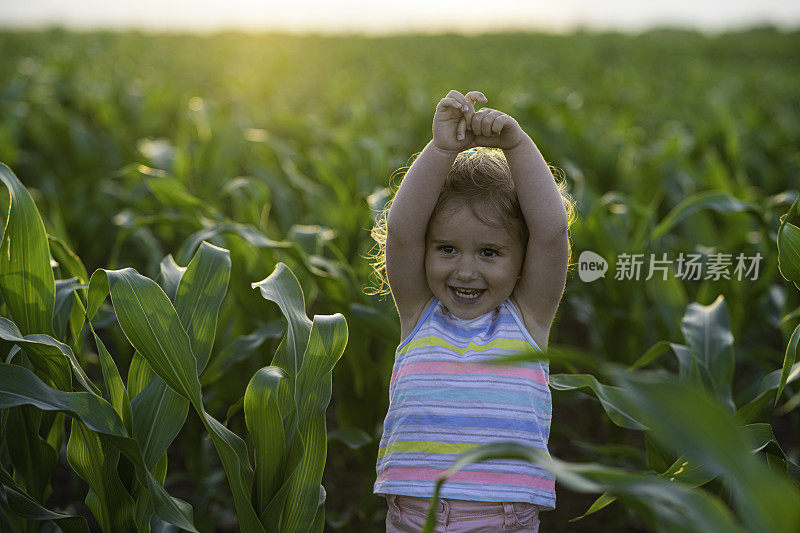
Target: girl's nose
(465,270)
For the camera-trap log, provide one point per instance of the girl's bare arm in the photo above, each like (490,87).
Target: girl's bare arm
(413,206)
(544,272)
(406,225)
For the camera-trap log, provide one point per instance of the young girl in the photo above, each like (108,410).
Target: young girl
(476,253)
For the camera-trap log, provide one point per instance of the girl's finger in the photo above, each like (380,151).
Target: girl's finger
(450,102)
(478,119)
(499,123)
(461,129)
(465,105)
(476,96)
(488,122)
(472,97)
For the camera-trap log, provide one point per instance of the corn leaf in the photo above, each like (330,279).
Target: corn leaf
(354,438)
(199,295)
(760,392)
(265,424)
(27,284)
(283,288)
(792,355)
(116,393)
(719,201)
(33,457)
(51,358)
(69,263)
(250,234)
(241,349)
(610,397)
(687,420)
(171,274)
(95,461)
(708,334)
(26,507)
(62,311)
(158,416)
(325,346)
(152,326)
(672,504)
(789,246)
(20,386)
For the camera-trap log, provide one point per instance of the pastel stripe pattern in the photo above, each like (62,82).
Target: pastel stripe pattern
(445,399)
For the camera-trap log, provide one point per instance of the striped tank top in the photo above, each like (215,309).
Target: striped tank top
(444,400)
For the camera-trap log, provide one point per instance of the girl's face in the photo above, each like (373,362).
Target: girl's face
(471,267)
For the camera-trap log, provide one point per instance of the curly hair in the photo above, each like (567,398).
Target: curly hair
(479,177)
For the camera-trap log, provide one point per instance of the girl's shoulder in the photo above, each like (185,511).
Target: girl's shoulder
(410,323)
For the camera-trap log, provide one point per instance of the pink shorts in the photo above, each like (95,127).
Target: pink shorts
(407,514)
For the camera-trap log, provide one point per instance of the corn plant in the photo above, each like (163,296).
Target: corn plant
(120,431)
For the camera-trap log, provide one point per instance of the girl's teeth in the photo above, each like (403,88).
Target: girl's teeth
(468,294)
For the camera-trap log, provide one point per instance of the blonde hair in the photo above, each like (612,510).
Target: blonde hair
(479,177)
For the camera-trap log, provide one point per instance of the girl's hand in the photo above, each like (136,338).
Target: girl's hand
(494,129)
(451,119)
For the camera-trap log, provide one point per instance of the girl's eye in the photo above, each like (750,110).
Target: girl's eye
(488,252)
(446,249)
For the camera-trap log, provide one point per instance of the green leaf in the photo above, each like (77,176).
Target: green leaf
(250,234)
(199,295)
(33,457)
(172,193)
(354,438)
(139,375)
(792,355)
(26,507)
(70,264)
(610,397)
(375,322)
(760,392)
(27,284)
(653,353)
(789,253)
(326,344)
(171,275)
(283,288)
(151,325)
(241,349)
(686,419)
(159,413)
(19,386)
(669,504)
(62,310)
(789,246)
(719,201)
(708,333)
(95,461)
(51,359)
(265,424)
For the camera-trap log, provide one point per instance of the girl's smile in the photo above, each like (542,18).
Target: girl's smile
(471,266)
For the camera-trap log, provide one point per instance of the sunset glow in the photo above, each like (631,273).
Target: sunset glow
(380,17)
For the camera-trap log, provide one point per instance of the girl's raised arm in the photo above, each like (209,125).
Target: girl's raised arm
(544,271)
(413,206)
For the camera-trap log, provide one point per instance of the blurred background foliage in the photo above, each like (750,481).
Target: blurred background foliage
(281,148)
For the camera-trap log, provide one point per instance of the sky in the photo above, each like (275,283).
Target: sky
(382,16)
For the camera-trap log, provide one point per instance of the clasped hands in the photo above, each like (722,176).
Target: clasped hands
(457,126)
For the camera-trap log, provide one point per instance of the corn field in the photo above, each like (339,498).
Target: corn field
(188,337)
